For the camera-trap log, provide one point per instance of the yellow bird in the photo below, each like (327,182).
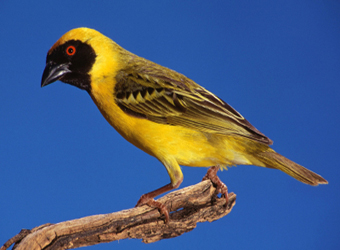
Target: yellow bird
(163,112)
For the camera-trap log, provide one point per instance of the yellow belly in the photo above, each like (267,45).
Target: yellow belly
(188,147)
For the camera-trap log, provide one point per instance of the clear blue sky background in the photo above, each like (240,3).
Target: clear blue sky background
(276,62)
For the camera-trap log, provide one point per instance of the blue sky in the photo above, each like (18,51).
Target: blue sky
(276,62)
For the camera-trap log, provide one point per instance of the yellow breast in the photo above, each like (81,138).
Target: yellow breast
(189,147)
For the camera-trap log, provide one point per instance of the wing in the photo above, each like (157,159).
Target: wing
(161,95)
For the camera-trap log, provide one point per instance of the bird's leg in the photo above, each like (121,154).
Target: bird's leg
(220,186)
(148,199)
(176,177)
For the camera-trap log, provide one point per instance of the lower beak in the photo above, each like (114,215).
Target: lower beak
(54,72)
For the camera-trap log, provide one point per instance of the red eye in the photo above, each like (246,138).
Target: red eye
(71,50)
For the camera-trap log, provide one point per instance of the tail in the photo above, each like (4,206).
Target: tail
(271,159)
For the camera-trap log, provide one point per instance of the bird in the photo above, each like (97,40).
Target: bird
(163,112)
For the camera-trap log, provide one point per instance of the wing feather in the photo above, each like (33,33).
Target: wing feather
(161,95)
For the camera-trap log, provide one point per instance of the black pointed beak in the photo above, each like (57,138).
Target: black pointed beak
(54,72)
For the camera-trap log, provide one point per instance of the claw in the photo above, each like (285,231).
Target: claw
(156,204)
(220,186)
(148,200)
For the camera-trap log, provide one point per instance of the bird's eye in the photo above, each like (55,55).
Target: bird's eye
(71,50)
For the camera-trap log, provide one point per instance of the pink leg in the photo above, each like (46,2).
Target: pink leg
(149,199)
(220,186)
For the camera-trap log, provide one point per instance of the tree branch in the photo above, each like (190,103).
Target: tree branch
(187,206)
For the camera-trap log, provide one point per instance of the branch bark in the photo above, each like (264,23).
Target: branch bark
(187,206)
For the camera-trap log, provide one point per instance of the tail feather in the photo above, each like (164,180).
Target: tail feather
(271,159)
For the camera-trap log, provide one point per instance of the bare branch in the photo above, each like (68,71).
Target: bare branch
(187,206)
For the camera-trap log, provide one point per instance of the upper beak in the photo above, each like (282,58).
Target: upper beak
(54,72)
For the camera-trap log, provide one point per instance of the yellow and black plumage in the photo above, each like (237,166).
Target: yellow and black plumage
(160,111)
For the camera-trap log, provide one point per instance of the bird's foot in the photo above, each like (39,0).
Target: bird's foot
(144,200)
(148,200)
(221,188)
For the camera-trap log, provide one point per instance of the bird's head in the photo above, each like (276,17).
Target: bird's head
(75,56)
